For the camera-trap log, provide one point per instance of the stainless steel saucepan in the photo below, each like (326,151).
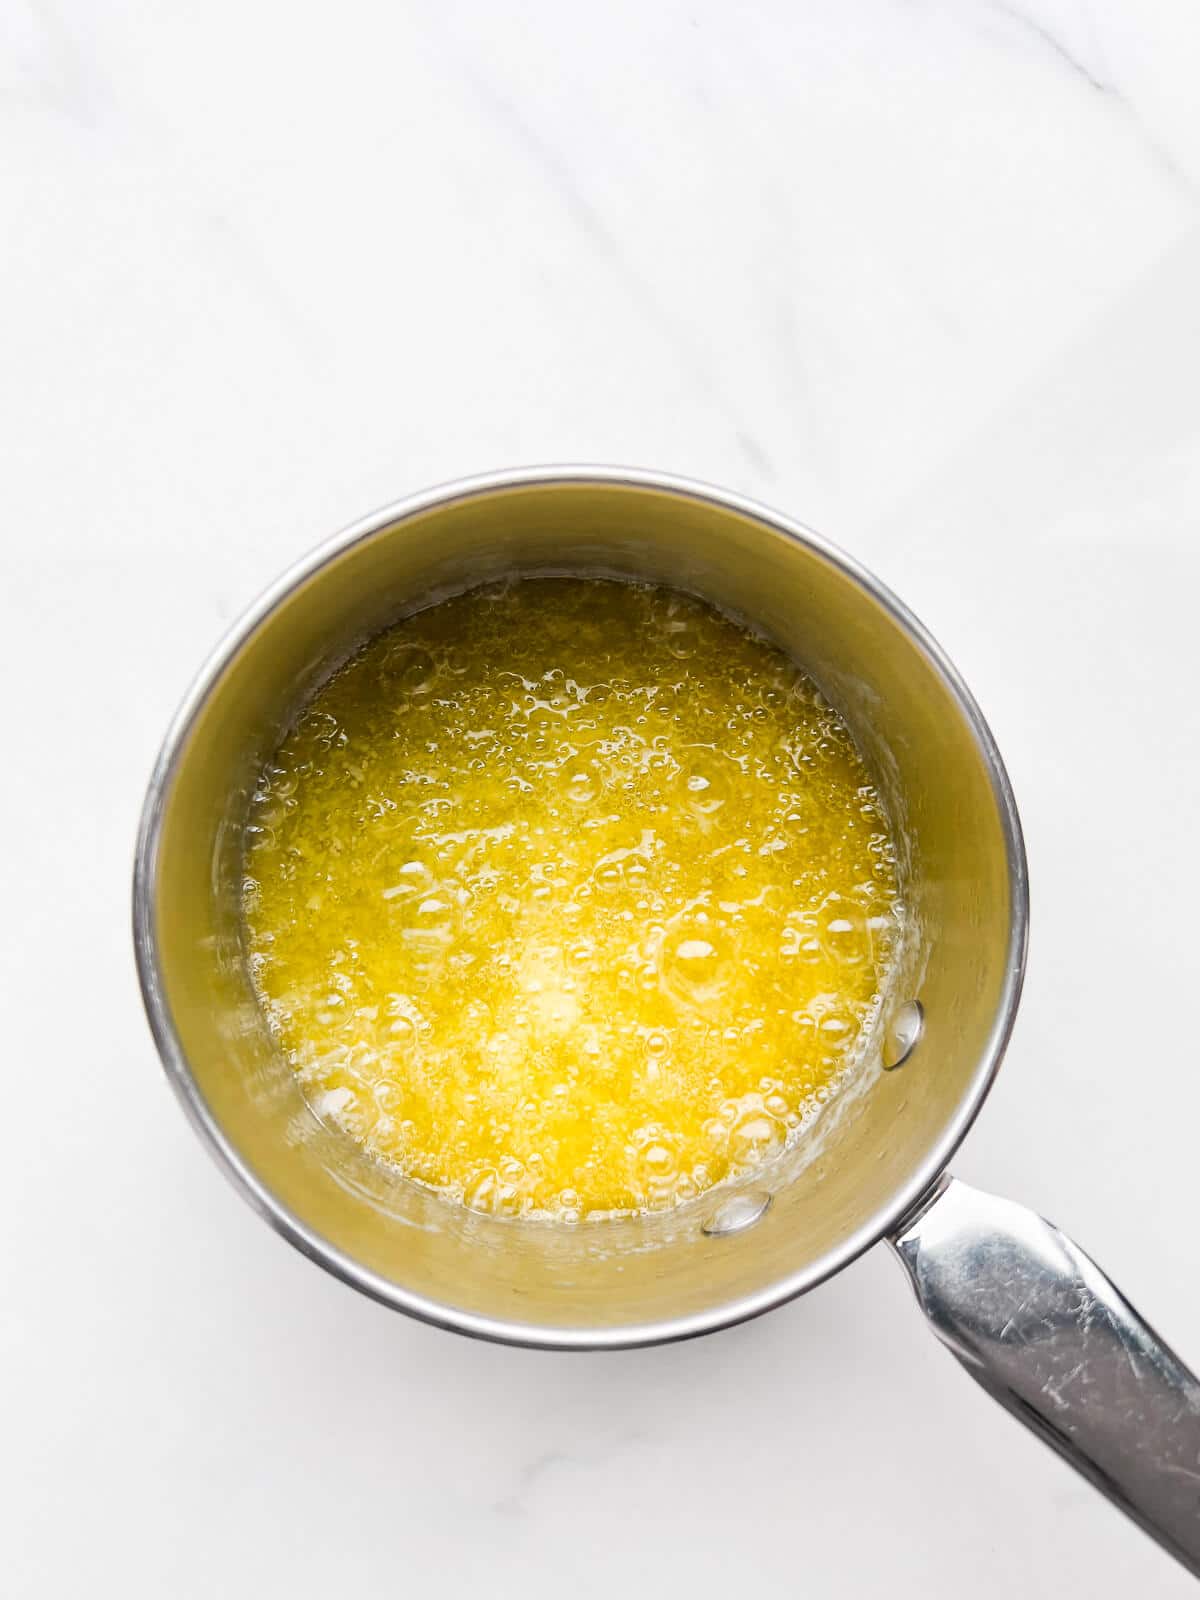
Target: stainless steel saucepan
(1021,1307)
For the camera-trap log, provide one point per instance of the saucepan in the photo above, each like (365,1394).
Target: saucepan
(1029,1315)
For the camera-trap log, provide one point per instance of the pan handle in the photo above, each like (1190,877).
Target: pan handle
(1040,1327)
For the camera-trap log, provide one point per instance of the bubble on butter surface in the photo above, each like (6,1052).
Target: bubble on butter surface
(569,897)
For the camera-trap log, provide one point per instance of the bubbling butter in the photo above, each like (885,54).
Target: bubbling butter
(569,897)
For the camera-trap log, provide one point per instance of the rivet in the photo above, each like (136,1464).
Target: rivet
(736,1211)
(901,1035)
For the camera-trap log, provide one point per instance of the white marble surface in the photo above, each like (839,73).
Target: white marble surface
(925,275)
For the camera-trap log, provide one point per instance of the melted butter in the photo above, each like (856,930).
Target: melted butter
(569,897)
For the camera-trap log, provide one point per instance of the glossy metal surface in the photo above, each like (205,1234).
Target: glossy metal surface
(881,1146)
(1035,1321)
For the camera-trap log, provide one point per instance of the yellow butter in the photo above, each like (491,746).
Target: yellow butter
(569,897)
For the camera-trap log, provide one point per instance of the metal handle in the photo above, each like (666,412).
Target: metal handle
(1037,1323)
